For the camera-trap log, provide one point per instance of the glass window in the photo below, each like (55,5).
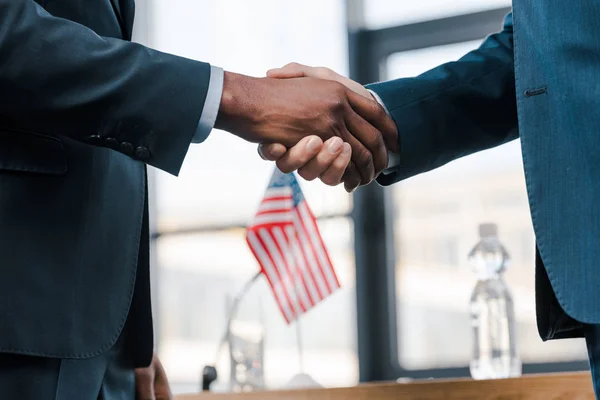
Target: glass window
(384,13)
(434,234)
(221,184)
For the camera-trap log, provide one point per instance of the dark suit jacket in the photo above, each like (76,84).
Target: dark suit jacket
(542,74)
(81,110)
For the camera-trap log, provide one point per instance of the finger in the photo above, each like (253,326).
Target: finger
(323,160)
(300,154)
(161,382)
(361,158)
(159,371)
(376,115)
(144,383)
(271,152)
(376,153)
(351,178)
(333,175)
(296,70)
(291,70)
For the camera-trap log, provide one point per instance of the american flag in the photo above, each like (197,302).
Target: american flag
(285,240)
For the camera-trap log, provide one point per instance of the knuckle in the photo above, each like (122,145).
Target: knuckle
(284,167)
(325,126)
(377,109)
(340,88)
(335,125)
(324,72)
(338,103)
(330,180)
(365,159)
(306,175)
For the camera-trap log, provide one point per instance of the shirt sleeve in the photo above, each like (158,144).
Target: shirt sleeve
(211,105)
(393,158)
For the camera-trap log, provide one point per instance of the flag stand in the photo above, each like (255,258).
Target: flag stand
(301,380)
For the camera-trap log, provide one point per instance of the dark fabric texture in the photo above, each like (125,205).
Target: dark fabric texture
(537,79)
(82,110)
(109,376)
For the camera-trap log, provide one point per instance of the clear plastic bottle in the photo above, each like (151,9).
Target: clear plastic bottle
(495,352)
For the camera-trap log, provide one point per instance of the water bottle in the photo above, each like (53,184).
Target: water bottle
(492,311)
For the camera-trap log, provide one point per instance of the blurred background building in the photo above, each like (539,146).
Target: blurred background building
(407,316)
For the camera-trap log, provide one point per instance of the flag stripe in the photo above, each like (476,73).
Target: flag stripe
(267,268)
(308,281)
(325,287)
(310,224)
(278,218)
(280,269)
(292,271)
(276,205)
(307,250)
(279,192)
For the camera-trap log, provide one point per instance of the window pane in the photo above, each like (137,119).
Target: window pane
(437,217)
(384,13)
(199,274)
(223,179)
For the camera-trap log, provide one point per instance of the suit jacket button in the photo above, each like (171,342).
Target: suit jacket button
(96,140)
(127,148)
(111,142)
(142,153)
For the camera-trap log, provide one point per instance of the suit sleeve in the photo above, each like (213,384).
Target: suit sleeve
(60,78)
(455,109)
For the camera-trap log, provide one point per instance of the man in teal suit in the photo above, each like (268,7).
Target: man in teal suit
(537,79)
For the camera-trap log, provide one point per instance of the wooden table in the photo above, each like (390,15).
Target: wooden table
(569,386)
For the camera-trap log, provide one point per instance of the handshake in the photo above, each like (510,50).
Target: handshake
(312,120)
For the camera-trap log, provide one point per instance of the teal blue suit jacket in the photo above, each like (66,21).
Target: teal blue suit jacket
(537,79)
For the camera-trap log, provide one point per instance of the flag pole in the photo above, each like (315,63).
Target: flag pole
(299,344)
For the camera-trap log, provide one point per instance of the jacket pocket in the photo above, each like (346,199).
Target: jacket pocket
(32,152)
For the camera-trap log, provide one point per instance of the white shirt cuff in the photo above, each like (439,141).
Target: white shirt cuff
(393,158)
(211,105)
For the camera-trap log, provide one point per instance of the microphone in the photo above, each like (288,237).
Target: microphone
(209,375)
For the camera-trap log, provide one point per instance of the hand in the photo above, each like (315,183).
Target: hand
(296,70)
(275,152)
(151,383)
(265,110)
(312,158)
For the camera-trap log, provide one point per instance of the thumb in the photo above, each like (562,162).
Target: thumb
(291,70)
(272,151)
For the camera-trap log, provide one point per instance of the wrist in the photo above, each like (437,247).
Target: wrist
(236,110)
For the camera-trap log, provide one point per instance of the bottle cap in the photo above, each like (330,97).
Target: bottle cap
(488,229)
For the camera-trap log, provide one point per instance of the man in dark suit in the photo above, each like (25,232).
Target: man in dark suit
(537,79)
(82,111)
